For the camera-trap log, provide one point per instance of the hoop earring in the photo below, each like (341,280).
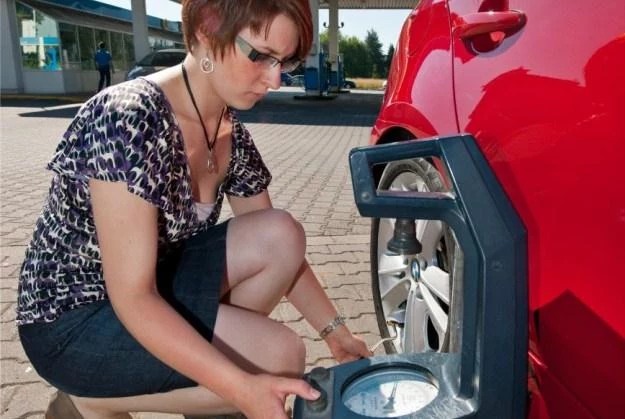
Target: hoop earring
(206,65)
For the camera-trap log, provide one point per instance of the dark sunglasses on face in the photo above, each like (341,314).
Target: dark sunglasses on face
(266,60)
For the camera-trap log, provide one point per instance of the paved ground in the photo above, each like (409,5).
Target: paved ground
(304,143)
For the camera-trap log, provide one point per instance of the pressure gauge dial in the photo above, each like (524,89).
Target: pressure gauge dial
(389,392)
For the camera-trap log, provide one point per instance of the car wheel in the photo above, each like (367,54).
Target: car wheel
(412,294)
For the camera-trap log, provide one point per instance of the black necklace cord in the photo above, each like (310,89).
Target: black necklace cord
(209,144)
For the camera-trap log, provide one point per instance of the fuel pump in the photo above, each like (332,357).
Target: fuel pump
(485,377)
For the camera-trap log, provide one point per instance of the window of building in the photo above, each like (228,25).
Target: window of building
(39,40)
(117,50)
(86,44)
(70,54)
(129,48)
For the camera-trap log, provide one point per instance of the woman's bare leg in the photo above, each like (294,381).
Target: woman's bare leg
(265,250)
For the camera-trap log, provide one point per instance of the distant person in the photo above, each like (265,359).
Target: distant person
(103,61)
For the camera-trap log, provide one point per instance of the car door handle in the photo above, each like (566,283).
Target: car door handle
(475,24)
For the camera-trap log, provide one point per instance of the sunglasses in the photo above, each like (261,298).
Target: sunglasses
(266,60)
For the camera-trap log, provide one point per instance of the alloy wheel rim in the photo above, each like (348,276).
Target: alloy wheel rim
(419,296)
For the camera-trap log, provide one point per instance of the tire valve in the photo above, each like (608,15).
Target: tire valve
(393,336)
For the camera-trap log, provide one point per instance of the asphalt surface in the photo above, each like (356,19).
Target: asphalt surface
(305,144)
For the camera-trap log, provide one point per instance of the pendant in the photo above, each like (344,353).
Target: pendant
(210,164)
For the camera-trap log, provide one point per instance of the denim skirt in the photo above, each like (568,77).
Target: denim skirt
(87,352)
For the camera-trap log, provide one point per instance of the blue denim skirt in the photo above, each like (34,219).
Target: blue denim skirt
(88,352)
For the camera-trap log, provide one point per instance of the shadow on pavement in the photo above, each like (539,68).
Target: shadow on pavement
(351,109)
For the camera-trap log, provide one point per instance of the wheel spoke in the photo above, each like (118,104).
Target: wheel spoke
(395,295)
(437,315)
(437,281)
(392,264)
(429,233)
(416,321)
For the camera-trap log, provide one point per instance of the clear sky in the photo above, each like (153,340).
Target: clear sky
(387,23)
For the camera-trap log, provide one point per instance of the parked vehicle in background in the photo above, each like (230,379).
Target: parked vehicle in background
(298,80)
(541,87)
(156,61)
(349,84)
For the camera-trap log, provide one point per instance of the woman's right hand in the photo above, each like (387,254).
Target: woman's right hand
(266,395)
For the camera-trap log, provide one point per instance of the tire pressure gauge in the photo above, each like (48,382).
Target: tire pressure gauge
(484,374)
(389,393)
(382,387)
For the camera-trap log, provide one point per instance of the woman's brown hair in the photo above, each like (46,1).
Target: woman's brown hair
(222,20)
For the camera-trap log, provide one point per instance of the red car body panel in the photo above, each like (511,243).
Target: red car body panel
(546,103)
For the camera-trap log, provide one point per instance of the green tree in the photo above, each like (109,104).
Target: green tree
(389,59)
(356,59)
(374,46)
(324,41)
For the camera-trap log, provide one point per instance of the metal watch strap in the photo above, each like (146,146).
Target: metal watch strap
(338,320)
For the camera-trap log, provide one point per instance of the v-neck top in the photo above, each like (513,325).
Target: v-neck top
(126,133)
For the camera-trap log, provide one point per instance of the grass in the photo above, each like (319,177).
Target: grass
(368,84)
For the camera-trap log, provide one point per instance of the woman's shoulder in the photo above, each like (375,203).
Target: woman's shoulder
(138,98)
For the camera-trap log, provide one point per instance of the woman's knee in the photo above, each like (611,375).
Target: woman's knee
(283,234)
(291,354)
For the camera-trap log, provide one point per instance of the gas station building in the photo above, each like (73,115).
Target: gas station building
(48,45)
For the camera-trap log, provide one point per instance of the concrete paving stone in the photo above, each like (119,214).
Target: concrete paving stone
(365,323)
(336,231)
(322,259)
(363,257)
(327,270)
(11,254)
(359,229)
(363,289)
(298,207)
(28,400)
(352,239)
(317,241)
(9,272)
(16,372)
(152,415)
(312,227)
(354,268)
(6,394)
(286,312)
(352,309)
(8,295)
(310,249)
(8,313)
(13,350)
(319,219)
(318,211)
(342,216)
(337,281)
(354,248)
(8,333)
(345,292)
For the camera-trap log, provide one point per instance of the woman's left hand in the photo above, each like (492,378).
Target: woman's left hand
(345,346)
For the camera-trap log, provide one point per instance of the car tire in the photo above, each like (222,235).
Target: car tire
(394,288)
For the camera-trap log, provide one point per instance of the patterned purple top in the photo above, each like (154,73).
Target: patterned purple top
(127,133)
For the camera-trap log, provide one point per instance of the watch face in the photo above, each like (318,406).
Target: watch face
(389,393)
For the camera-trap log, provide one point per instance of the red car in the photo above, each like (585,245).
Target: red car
(540,85)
